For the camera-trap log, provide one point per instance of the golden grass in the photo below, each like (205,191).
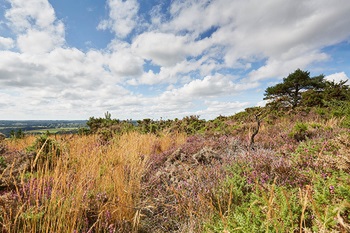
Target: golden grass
(20,144)
(91,186)
(333,122)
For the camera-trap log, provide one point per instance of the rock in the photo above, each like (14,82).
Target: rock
(206,156)
(179,166)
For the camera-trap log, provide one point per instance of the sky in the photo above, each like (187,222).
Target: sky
(65,60)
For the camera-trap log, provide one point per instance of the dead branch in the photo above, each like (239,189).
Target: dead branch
(256,131)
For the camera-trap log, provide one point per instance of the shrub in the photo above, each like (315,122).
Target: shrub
(300,132)
(46,149)
(330,203)
(250,207)
(2,162)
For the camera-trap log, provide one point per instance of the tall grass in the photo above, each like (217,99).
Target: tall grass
(20,144)
(90,188)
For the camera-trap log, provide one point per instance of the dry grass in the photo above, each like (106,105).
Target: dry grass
(339,160)
(91,187)
(20,144)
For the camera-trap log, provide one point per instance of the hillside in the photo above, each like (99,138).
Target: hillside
(186,175)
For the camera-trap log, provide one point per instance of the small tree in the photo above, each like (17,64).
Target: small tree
(108,116)
(337,91)
(289,92)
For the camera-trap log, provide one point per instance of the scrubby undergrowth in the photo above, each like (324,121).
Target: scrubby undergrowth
(296,177)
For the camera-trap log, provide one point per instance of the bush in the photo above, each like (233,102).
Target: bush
(46,149)
(250,207)
(330,203)
(300,132)
(2,162)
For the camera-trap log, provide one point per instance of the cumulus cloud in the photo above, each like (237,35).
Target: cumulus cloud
(209,87)
(25,14)
(280,68)
(35,23)
(180,72)
(215,108)
(166,49)
(34,41)
(122,60)
(122,17)
(6,43)
(199,16)
(273,31)
(337,77)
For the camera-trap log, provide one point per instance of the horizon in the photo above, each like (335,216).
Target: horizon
(156,59)
(44,120)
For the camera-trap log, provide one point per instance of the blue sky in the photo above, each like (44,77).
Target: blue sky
(63,59)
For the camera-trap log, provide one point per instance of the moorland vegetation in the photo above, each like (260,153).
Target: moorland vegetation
(284,167)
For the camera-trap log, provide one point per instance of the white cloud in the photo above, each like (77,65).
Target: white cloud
(279,68)
(261,103)
(148,78)
(166,49)
(209,87)
(6,43)
(125,65)
(123,17)
(63,81)
(123,62)
(16,70)
(199,16)
(59,69)
(216,108)
(274,31)
(337,77)
(25,14)
(36,26)
(73,68)
(176,73)
(34,41)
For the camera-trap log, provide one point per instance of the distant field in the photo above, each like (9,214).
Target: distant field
(50,130)
(40,126)
(12,127)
